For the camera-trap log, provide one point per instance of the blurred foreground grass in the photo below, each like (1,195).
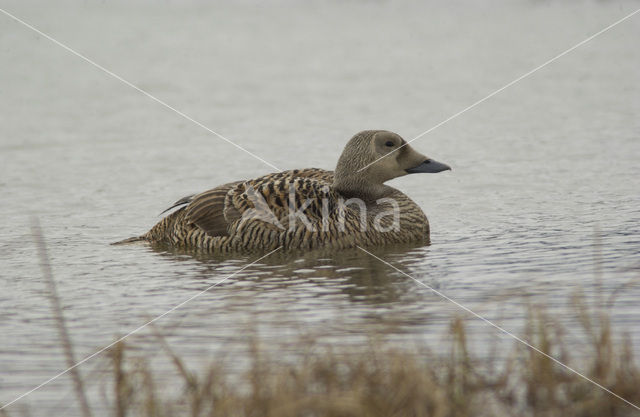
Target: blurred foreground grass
(383,380)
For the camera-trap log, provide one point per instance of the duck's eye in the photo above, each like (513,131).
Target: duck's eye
(389,143)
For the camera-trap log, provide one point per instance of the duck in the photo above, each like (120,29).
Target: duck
(308,208)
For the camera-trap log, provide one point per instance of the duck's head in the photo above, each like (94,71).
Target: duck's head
(373,157)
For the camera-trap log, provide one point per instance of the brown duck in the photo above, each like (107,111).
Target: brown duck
(307,208)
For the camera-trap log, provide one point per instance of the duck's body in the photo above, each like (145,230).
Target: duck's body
(193,226)
(305,209)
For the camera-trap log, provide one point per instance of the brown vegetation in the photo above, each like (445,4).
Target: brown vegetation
(382,380)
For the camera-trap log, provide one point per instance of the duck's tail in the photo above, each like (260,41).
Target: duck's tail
(161,232)
(131,240)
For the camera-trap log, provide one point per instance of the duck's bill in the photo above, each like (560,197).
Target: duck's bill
(429,166)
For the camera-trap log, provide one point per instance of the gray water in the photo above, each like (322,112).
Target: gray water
(543,200)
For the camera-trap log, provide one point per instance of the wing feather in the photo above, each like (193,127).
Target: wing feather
(266,199)
(216,210)
(206,210)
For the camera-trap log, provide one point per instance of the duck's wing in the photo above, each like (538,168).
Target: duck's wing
(206,210)
(269,199)
(215,210)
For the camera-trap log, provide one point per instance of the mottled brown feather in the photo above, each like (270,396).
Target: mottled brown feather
(212,212)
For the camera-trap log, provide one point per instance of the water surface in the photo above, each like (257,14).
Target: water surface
(543,199)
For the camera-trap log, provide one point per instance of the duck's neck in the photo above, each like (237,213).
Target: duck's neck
(357,186)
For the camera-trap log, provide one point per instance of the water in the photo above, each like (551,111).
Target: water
(543,194)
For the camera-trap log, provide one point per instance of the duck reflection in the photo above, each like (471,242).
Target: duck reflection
(352,272)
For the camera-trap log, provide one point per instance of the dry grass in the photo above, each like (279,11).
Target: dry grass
(380,380)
